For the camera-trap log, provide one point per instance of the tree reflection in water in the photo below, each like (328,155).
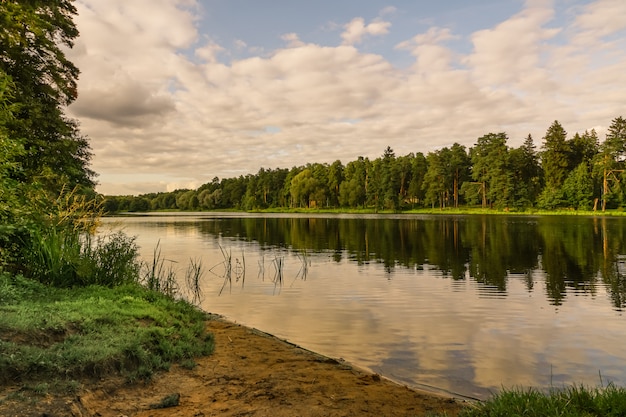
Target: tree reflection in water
(574,253)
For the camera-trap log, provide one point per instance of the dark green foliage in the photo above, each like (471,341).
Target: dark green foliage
(555,163)
(435,180)
(352,191)
(490,168)
(32,37)
(555,155)
(578,188)
(527,174)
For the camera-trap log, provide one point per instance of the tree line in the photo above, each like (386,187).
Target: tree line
(579,172)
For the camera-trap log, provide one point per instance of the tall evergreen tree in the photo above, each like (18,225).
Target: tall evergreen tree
(555,163)
(390,180)
(526,171)
(583,148)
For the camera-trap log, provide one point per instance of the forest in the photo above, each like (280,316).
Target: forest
(577,173)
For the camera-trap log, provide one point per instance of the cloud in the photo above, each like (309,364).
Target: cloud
(356,30)
(209,51)
(430,55)
(514,46)
(601,18)
(388,10)
(162,110)
(129,104)
(292,40)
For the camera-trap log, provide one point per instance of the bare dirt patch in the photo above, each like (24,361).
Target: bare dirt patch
(250,374)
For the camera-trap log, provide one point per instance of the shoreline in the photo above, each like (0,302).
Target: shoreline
(250,373)
(427,389)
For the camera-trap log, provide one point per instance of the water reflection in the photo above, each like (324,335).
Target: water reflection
(574,253)
(464,304)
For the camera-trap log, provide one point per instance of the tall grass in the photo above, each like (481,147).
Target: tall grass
(575,401)
(157,276)
(238,270)
(193,275)
(67,257)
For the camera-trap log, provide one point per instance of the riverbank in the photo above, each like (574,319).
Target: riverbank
(250,373)
(449,211)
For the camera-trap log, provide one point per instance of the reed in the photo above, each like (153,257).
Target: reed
(305,262)
(156,276)
(228,269)
(193,276)
(279,265)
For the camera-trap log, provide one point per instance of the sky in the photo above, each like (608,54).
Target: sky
(173,93)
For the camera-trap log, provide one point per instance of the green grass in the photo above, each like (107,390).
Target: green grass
(575,401)
(52,333)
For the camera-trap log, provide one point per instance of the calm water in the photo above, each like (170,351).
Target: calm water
(464,304)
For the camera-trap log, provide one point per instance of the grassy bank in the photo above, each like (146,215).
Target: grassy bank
(56,337)
(577,401)
(424,211)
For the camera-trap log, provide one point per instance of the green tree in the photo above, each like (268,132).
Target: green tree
(609,162)
(555,163)
(583,148)
(320,195)
(303,185)
(490,159)
(419,168)
(335,178)
(139,204)
(352,191)
(389,185)
(459,166)
(526,171)
(373,184)
(578,187)
(33,35)
(434,183)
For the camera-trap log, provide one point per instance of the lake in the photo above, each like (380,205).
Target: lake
(457,304)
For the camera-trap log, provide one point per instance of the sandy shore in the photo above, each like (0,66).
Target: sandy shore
(251,373)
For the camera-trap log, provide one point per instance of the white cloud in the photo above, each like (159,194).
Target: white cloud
(388,10)
(209,51)
(292,40)
(356,30)
(602,18)
(514,47)
(160,118)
